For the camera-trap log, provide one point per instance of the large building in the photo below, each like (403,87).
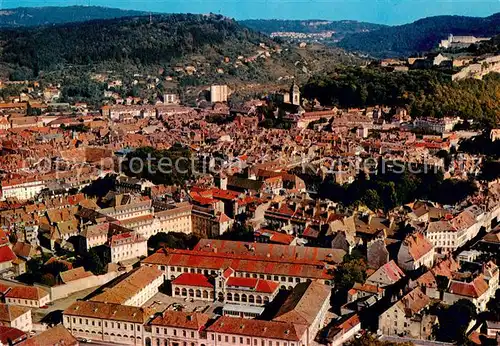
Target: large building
(219,93)
(114,323)
(286,265)
(135,289)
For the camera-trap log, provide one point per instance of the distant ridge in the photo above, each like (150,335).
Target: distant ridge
(36,16)
(419,36)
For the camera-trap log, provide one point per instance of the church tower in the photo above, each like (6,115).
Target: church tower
(295,94)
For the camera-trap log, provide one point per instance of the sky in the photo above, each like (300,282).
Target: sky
(377,11)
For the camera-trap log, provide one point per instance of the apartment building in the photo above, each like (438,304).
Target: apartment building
(114,323)
(126,246)
(448,235)
(21,189)
(135,289)
(178,328)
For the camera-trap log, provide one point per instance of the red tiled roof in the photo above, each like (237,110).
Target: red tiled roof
(259,285)
(240,263)
(192,279)
(6,254)
(258,328)
(26,292)
(474,289)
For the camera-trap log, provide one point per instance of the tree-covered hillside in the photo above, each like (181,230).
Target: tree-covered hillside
(423,93)
(34,16)
(213,46)
(269,26)
(420,36)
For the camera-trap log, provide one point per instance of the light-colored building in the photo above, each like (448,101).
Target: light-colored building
(178,328)
(134,290)
(219,93)
(21,189)
(125,246)
(447,236)
(29,296)
(16,317)
(114,323)
(415,252)
(231,331)
(408,317)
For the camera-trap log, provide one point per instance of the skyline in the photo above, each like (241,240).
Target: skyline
(392,12)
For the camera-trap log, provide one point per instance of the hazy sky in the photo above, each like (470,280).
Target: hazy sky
(379,11)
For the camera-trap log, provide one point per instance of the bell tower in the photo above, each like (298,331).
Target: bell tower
(295,94)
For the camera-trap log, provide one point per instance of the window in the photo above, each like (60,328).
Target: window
(184,333)
(157,330)
(270,343)
(218,338)
(175,332)
(241,340)
(226,338)
(234,339)
(106,324)
(248,341)
(213,337)
(192,334)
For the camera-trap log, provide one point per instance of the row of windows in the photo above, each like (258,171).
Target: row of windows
(247,341)
(126,326)
(174,333)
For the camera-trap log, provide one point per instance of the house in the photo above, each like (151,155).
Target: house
(18,317)
(27,296)
(7,256)
(408,317)
(415,252)
(477,291)
(343,330)
(387,275)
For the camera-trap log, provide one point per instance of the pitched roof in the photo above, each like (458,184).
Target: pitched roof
(6,254)
(474,289)
(239,263)
(11,335)
(109,311)
(192,279)
(258,285)
(57,336)
(258,328)
(413,302)
(304,303)
(9,313)
(26,292)
(74,274)
(129,286)
(418,245)
(181,319)
(278,251)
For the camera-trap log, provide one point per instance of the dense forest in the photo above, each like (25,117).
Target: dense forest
(420,36)
(423,93)
(340,27)
(34,16)
(131,39)
(205,42)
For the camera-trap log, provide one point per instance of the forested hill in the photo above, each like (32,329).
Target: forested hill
(420,36)
(341,27)
(126,40)
(35,16)
(212,46)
